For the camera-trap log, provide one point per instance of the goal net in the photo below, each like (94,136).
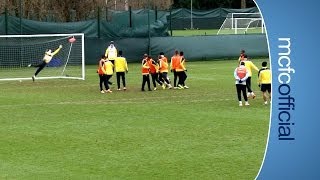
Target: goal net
(242,23)
(18,52)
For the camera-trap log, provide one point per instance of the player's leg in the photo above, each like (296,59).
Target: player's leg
(153,78)
(35,65)
(180,80)
(144,80)
(101,81)
(148,82)
(264,93)
(112,61)
(184,80)
(248,84)
(265,97)
(269,91)
(270,94)
(123,77)
(250,92)
(244,92)
(161,77)
(156,76)
(166,80)
(238,88)
(40,67)
(118,80)
(106,84)
(175,79)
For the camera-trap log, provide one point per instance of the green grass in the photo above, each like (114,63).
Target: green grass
(195,32)
(66,129)
(209,32)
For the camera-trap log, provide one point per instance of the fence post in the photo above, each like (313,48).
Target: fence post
(130,17)
(156,13)
(98,21)
(6,20)
(149,34)
(170,21)
(20,16)
(106,14)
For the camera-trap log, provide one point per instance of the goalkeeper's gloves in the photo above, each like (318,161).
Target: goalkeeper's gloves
(60,46)
(259,84)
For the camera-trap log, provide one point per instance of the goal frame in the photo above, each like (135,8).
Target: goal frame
(51,35)
(234,21)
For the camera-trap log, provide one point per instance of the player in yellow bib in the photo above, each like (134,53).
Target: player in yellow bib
(121,67)
(163,71)
(250,66)
(265,81)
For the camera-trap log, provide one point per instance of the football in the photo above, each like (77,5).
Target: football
(72,40)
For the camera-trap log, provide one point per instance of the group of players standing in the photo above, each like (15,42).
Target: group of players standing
(159,71)
(113,61)
(243,74)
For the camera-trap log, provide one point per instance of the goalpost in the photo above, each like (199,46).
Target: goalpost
(19,51)
(242,23)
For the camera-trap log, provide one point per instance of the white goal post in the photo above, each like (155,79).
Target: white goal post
(242,23)
(20,53)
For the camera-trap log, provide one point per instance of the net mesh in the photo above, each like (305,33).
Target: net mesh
(242,23)
(17,52)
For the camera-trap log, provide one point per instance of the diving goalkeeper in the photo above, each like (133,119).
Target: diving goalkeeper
(46,59)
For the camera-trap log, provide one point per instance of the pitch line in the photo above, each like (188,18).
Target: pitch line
(119,101)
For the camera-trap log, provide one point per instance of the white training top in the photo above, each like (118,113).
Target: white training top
(111,52)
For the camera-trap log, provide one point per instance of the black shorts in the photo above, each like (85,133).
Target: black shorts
(266,87)
(112,61)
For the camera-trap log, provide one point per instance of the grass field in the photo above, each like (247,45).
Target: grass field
(67,129)
(194,32)
(210,32)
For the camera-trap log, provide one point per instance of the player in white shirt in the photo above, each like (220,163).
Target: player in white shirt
(111,52)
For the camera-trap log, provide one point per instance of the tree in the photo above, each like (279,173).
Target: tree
(243,4)
(77,10)
(211,4)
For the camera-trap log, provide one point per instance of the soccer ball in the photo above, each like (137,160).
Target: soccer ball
(72,40)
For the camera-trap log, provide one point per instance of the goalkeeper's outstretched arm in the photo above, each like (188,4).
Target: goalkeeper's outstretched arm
(57,50)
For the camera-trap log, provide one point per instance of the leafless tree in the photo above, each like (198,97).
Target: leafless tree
(243,4)
(73,10)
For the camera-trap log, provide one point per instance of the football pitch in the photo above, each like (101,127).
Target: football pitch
(210,32)
(67,129)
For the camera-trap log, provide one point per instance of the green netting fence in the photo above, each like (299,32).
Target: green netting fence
(146,31)
(120,24)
